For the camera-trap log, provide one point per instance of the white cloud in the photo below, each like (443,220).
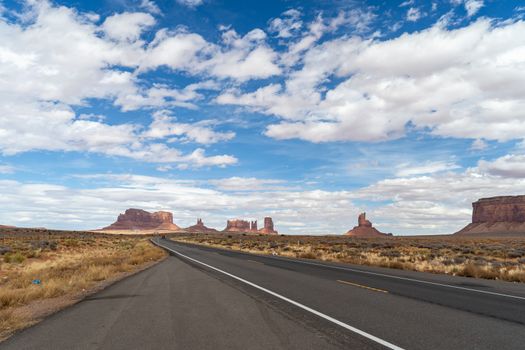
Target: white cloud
(466,89)
(127,26)
(408,169)
(436,203)
(190,3)
(413,14)
(40,88)
(473,6)
(150,6)
(511,166)
(440,203)
(287,25)
(6,169)
(64,207)
(164,168)
(478,145)
(164,125)
(247,184)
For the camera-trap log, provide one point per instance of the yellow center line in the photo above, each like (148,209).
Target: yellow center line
(258,262)
(362,286)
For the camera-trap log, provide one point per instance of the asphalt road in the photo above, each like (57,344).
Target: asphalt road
(205,298)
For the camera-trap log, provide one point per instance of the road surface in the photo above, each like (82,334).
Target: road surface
(206,298)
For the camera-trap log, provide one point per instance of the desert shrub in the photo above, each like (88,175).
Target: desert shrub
(459,260)
(16,257)
(307,255)
(390,254)
(514,254)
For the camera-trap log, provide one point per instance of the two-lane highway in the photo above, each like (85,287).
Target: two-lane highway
(409,310)
(206,298)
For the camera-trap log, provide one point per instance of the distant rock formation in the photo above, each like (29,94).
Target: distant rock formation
(200,228)
(364,228)
(7,226)
(237,225)
(268,227)
(243,226)
(501,215)
(138,219)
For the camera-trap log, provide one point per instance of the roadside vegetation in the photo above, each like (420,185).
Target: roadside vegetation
(491,258)
(42,271)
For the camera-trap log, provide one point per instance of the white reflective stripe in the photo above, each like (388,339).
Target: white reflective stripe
(304,307)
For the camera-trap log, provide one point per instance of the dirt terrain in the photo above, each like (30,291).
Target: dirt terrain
(42,271)
(500,258)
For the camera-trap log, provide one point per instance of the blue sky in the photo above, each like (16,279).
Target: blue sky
(309,112)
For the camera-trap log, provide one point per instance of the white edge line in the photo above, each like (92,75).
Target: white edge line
(389,276)
(304,307)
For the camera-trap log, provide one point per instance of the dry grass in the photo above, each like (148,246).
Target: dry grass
(66,264)
(491,258)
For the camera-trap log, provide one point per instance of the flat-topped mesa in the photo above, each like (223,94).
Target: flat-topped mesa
(243,226)
(237,225)
(364,228)
(138,219)
(268,227)
(497,215)
(200,228)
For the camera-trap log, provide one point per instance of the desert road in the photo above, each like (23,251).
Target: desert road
(206,298)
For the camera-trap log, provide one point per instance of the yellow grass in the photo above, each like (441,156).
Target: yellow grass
(74,266)
(490,258)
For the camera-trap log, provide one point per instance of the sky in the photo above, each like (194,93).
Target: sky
(306,111)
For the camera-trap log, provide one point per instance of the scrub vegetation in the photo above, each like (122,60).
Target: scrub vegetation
(491,258)
(42,271)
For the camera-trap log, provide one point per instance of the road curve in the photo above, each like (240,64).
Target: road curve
(206,298)
(410,310)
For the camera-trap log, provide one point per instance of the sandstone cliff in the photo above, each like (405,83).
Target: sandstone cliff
(268,227)
(364,228)
(141,220)
(501,215)
(199,227)
(243,226)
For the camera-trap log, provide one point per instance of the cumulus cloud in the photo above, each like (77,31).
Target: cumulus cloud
(165,125)
(108,194)
(510,165)
(287,25)
(439,203)
(150,6)
(127,26)
(468,88)
(473,6)
(39,88)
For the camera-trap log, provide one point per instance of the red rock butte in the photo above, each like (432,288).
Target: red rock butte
(364,228)
(243,226)
(138,220)
(501,215)
(200,228)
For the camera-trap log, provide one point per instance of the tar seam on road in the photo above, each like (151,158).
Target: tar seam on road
(304,307)
(363,286)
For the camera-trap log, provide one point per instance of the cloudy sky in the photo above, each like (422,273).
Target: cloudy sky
(306,111)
